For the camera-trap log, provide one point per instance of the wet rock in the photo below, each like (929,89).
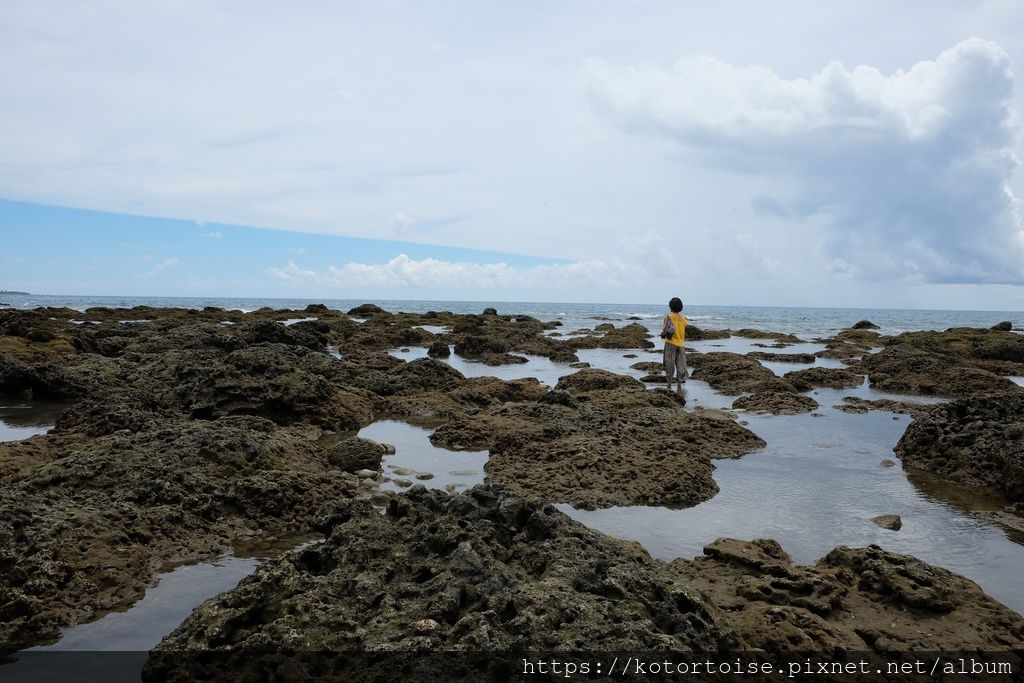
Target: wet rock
(632,336)
(977,441)
(580,365)
(1004,326)
(853,599)
(782,357)
(648,366)
(906,368)
(439,349)
(834,378)
(366,311)
(855,404)
(864,325)
(610,443)
(732,373)
(85,531)
(887,463)
(694,333)
(111,411)
(748,333)
(356,455)
(493,572)
(403,471)
(890,522)
(776,403)
(285,383)
(490,311)
(424,476)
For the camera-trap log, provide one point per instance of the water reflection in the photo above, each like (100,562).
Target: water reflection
(20,420)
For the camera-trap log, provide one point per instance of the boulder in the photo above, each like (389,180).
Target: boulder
(977,441)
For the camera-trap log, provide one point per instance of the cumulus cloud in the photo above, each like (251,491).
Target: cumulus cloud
(908,173)
(429,273)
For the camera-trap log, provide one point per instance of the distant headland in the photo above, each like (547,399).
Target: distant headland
(11,291)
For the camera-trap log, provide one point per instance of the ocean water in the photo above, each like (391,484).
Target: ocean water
(807,323)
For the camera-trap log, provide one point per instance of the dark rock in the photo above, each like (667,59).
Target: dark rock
(490,311)
(439,349)
(834,378)
(890,522)
(864,325)
(853,599)
(855,404)
(492,571)
(776,403)
(977,441)
(366,311)
(782,357)
(906,368)
(694,333)
(589,451)
(472,346)
(1004,326)
(732,373)
(355,453)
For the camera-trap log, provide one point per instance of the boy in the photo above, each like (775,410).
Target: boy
(675,355)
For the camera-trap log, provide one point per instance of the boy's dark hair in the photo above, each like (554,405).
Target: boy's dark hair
(675,304)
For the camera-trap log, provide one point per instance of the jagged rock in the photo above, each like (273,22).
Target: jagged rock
(782,357)
(366,310)
(439,349)
(853,599)
(864,325)
(776,403)
(355,454)
(491,571)
(694,333)
(890,522)
(748,333)
(977,441)
(732,373)
(905,368)
(582,444)
(835,378)
(1004,326)
(855,404)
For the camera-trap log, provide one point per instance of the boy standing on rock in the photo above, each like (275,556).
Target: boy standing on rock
(673,331)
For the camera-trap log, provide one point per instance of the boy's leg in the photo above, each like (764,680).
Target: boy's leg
(681,365)
(668,359)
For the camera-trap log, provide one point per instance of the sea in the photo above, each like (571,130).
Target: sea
(804,322)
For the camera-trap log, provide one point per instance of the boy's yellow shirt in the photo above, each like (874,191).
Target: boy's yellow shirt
(679,338)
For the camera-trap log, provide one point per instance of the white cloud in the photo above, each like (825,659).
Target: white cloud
(908,173)
(214,235)
(164,266)
(403,272)
(401,222)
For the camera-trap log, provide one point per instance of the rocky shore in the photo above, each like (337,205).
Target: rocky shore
(488,571)
(189,431)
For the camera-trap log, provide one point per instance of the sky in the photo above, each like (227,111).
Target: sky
(747,153)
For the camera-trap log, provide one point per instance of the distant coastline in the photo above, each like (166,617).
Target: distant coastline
(11,291)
